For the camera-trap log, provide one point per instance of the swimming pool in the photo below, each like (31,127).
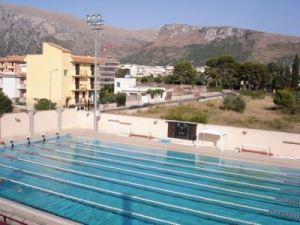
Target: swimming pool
(97,182)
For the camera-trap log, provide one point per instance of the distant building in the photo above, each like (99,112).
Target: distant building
(13,76)
(72,76)
(122,84)
(200,69)
(138,95)
(143,70)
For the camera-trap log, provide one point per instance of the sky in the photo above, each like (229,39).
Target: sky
(277,16)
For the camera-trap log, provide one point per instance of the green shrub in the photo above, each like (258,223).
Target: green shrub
(121,99)
(5,104)
(186,113)
(285,99)
(107,98)
(235,103)
(260,94)
(43,104)
(154,92)
(217,89)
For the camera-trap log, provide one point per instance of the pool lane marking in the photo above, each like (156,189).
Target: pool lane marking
(94,204)
(201,161)
(193,161)
(142,186)
(135,198)
(283,191)
(156,176)
(167,170)
(276,199)
(190,167)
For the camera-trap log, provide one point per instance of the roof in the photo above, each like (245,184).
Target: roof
(87,59)
(59,47)
(13,58)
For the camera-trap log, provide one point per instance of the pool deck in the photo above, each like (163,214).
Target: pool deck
(32,216)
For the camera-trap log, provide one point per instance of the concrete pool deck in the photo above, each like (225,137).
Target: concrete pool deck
(30,216)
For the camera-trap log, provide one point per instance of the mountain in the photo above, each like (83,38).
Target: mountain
(197,44)
(23,29)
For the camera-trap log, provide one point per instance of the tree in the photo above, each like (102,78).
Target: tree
(184,73)
(224,71)
(285,99)
(255,75)
(120,73)
(158,79)
(154,92)
(107,94)
(278,80)
(287,76)
(295,72)
(43,104)
(121,99)
(144,80)
(5,104)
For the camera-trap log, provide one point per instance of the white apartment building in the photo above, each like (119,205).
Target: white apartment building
(13,76)
(143,70)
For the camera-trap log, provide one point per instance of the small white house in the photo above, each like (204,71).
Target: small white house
(138,95)
(122,84)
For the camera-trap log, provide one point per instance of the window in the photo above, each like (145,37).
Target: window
(118,84)
(65,73)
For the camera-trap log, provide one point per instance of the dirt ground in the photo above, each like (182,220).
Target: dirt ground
(259,114)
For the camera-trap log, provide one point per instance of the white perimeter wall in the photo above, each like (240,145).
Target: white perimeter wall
(17,124)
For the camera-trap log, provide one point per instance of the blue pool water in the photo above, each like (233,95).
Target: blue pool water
(96,182)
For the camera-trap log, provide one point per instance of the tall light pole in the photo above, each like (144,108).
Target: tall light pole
(51,73)
(96,22)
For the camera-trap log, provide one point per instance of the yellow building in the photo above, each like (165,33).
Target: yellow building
(64,78)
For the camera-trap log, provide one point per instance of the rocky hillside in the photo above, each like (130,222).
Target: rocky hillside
(23,29)
(197,44)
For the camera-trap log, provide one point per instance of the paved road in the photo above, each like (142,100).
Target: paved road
(170,102)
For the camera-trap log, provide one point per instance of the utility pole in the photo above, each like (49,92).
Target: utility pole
(96,22)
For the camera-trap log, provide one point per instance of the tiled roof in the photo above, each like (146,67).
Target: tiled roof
(13,58)
(87,59)
(59,47)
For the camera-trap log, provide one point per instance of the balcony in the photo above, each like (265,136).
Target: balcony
(21,86)
(81,74)
(10,66)
(81,87)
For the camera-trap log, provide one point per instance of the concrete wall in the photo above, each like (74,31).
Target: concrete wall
(233,138)
(14,124)
(280,143)
(17,124)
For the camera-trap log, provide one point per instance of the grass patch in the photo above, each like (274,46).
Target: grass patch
(187,113)
(257,115)
(260,94)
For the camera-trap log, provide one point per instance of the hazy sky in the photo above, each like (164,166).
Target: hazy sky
(278,16)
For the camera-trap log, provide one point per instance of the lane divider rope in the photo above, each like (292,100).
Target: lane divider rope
(95,204)
(136,198)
